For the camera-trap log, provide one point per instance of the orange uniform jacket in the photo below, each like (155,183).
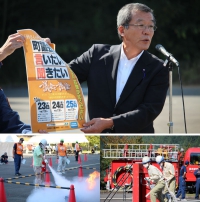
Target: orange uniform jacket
(19,149)
(61,150)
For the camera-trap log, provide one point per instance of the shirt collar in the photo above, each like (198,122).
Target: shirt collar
(123,56)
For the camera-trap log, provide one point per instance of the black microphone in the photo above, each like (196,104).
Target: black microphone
(161,49)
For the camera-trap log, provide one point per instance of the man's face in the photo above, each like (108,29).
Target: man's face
(146,165)
(135,37)
(61,142)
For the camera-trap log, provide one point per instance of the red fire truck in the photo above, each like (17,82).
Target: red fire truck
(127,158)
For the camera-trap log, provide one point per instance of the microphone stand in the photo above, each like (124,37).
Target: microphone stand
(169,64)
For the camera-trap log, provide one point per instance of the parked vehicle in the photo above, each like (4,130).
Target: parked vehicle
(125,155)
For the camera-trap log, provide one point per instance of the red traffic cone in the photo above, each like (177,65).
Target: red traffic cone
(79,159)
(32,163)
(72,197)
(2,191)
(50,161)
(85,157)
(80,172)
(47,178)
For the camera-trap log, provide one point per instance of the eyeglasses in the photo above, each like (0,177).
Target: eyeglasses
(143,27)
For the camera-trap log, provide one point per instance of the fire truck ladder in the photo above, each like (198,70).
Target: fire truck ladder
(122,181)
(138,151)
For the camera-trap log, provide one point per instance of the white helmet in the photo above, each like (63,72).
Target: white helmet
(44,142)
(159,159)
(145,159)
(182,150)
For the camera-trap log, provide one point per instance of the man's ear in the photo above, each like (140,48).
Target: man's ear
(121,30)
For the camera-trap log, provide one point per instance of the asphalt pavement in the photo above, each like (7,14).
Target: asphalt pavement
(20,193)
(127,197)
(18,98)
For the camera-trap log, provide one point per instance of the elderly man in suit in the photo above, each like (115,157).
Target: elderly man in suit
(127,85)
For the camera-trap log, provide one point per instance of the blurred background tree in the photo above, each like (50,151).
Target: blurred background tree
(75,25)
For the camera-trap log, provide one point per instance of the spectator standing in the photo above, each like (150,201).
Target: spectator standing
(77,149)
(182,183)
(18,155)
(61,151)
(197,175)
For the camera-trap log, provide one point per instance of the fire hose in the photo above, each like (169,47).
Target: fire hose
(114,178)
(151,186)
(170,192)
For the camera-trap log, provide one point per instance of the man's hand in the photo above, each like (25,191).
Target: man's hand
(47,40)
(97,125)
(147,179)
(13,42)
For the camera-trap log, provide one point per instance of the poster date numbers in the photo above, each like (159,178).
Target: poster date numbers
(43,105)
(56,105)
(71,104)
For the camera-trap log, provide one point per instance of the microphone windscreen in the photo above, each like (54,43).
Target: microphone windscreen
(158,46)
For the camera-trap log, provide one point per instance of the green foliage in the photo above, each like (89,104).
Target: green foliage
(184,141)
(74,26)
(104,141)
(94,141)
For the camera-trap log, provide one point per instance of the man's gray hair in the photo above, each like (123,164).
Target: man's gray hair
(125,14)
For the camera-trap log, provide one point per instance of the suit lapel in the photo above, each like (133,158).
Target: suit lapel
(111,63)
(134,79)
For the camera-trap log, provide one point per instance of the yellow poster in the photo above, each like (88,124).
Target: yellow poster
(55,95)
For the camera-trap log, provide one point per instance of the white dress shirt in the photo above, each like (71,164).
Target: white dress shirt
(125,68)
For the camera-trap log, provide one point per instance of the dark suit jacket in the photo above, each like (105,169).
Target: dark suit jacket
(142,98)
(9,119)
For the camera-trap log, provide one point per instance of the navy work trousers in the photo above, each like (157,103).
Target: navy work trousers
(17,161)
(181,188)
(197,188)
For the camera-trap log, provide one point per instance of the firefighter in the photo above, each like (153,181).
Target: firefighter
(77,149)
(156,177)
(197,175)
(181,154)
(18,155)
(168,174)
(61,151)
(182,183)
(38,158)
